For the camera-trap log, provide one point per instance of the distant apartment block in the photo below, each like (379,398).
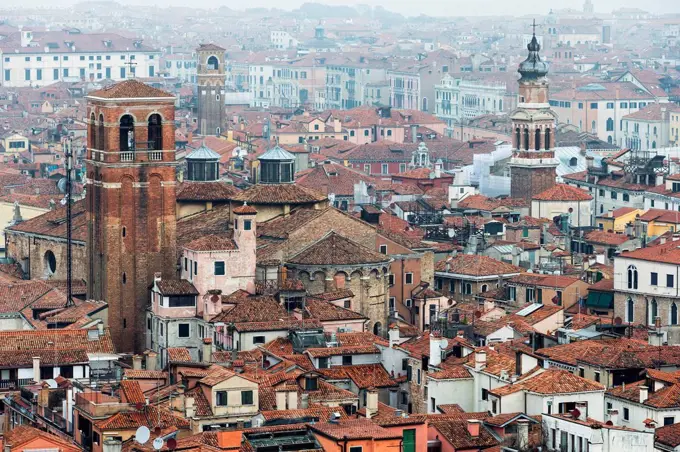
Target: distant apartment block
(39,58)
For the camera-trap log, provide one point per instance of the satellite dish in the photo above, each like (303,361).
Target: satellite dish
(172,444)
(157,430)
(215,298)
(158,443)
(478,314)
(618,321)
(575,412)
(444,343)
(609,423)
(139,406)
(142,434)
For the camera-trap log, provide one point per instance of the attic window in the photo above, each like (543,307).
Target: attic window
(311,383)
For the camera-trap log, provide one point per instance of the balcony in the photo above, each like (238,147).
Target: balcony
(99,405)
(14,384)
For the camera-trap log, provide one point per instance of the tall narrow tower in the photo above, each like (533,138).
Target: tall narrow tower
(211,78)
(130,202)
(533,163)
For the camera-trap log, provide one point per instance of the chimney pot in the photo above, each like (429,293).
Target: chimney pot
(473,426)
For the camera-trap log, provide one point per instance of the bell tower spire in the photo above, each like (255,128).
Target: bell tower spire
(532,166)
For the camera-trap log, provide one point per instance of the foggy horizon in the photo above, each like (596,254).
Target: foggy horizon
(435,8)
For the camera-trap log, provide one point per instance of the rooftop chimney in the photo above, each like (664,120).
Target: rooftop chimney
(36,369)
(437,343)
(522,434)
(614,416)
(371,403)
(480,360)
(207,350)
(473,427)
(151,360)
(644,393)
(137,362)
(393,334)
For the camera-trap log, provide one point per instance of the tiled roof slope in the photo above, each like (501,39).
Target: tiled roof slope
(337,250)
(130,89)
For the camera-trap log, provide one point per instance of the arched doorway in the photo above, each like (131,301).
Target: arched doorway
(377,329)
(155,132)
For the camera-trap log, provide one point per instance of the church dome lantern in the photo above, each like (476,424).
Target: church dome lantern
(203,165)
(277,166)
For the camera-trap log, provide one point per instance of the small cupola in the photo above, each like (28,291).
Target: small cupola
(277,166)
(203,164)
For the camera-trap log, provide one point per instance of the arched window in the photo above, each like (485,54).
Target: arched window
(573,161)
(630,311)
(547,139)
(653,144)
(519,138)
(610,140)
(537,140)
(653,311)
(101,140)
(526,139)
(484,288)
(155,132)
(500,105)
(127,133)
(91,131)
(424,103)
(377,329)
(632,277)
(213,63)
(674,314)
(593,126)
(610,125)
(654,130)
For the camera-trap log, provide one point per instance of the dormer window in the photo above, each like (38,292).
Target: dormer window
(311,383)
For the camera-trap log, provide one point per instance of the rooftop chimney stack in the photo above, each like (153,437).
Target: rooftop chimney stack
(522,434)
(480,360)
(644,393)
(473,427)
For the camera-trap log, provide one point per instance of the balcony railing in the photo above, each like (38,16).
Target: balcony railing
(127,156)
(14,384)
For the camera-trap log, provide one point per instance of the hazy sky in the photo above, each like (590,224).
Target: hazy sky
(409,7)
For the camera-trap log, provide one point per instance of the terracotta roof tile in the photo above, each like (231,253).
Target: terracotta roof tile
(205,191)
(342,350)
(563,192)
(130,89)
(606,238)
(457,434)
(132,391)
(475,265)
(337,250)
(211,242)
(245,209)
(551,381)
(179,355)
(279,194)
(353,429)
(133,374)
(176,287)
(326,311)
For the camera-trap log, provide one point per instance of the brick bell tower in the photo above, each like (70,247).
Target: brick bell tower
(533,163)
(130,202)
(211,78)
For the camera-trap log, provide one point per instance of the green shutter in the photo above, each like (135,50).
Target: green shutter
(410,440)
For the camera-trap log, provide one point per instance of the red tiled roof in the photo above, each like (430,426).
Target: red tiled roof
(326,311)
(205,191)
(337,250)
(475,265)
(342,350)
(179,354)
(457,434)
(606,238)
(668,435)
(245,209)
(128,89)
(176,287)
(133,392)
(551,381)
(149,416)
(133,374)
(279,194)
(211,242)
(563,192)
(22,434)
(353,429)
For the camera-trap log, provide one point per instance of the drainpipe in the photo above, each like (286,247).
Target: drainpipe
(345,440)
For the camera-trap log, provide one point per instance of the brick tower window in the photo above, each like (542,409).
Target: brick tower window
(213,63)
(547,139)
(526,139)
(100,134)
(127,133)
(155,132)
